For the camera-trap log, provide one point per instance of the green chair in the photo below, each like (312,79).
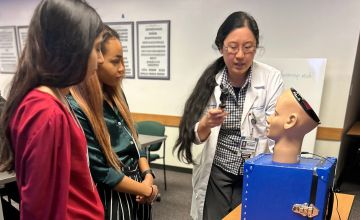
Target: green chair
(156,129)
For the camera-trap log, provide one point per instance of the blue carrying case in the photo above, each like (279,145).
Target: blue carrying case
(270,189)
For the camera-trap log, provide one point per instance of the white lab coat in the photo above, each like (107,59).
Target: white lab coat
(261,96)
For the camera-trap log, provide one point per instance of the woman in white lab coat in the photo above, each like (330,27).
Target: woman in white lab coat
(227,110)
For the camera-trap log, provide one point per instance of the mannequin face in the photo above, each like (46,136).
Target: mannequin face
(286,116)
(277,121)
(275,127)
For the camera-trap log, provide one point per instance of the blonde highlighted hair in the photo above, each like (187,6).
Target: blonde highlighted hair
(90,96)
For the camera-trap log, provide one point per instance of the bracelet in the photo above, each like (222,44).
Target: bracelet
(151,198)
(148,171)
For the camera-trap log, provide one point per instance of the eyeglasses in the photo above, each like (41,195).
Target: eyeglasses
(234,49)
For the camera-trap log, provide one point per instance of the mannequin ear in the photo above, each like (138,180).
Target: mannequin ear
(291,121)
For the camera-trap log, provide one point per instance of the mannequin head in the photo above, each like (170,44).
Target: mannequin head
(293,118)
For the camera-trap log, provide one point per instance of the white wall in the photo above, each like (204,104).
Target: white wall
(288,29)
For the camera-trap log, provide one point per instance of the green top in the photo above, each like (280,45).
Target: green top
(121,142)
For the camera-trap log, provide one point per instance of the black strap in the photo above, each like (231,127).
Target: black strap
(148,171)
(313,191)
(314,184)
(330,205)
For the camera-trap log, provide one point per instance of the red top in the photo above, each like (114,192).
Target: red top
(51,162)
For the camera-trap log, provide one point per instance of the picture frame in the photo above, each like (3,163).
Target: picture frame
(9,55)
(153,49)
(22,33)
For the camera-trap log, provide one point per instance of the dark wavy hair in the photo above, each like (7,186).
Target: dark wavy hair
(201,94)
(60,39)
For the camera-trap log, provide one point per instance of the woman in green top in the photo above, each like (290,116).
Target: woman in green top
(121,172)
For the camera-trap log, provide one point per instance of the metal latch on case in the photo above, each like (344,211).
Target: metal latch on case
(305,210)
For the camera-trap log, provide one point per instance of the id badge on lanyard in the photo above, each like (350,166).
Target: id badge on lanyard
(248,146)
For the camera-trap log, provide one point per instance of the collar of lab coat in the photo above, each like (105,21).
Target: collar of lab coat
(252,91)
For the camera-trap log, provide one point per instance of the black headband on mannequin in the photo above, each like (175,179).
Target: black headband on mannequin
(305,105)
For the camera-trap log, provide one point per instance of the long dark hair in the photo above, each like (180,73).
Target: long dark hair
(60,39)
(204,88)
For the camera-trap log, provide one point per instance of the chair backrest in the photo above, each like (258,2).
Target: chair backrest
(151,128)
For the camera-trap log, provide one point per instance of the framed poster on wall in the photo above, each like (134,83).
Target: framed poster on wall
(22,36)
(126,33)
(153,49)
(8,49)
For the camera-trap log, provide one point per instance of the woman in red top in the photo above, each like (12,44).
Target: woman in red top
(39,136)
